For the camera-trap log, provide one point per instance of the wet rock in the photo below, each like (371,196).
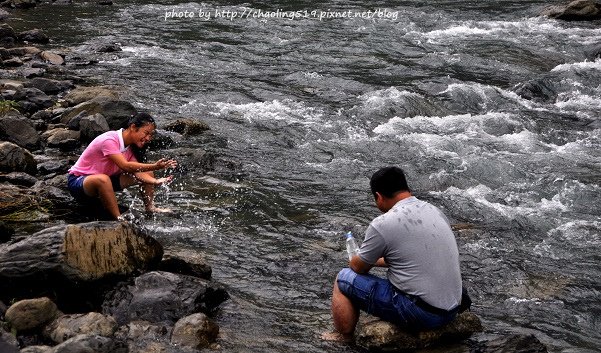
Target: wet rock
(54,166)
(84,94)
(7,34)
(16,158)
(30,314)
(538,90)
(32,99)
(194,159)
(18,178)
(146,337)
(195,331)
(49,86)
(107,48)
(593,52)
(13,62)
(8,343)
(116,112)
(4,15)
(161,140)
(37,349)
(77,253)
(6,233)
(68,326)
(92,126)
(62,138)
(33,72)
(73,124)
(22,4)
(185,262)
(578,10)
(42,115)
(105,2)
(187,126)
(91,344)
(512,344)
(163,297)
(384,336)
(52,58)
(34,36)
(19,130)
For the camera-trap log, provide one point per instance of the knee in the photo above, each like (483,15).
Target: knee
(101,181)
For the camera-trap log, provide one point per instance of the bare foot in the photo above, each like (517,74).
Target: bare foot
(158,210)
(336,336)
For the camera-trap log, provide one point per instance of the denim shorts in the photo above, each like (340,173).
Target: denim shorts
(378,297)
(75,186)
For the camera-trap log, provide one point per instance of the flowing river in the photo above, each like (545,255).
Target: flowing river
(493,112)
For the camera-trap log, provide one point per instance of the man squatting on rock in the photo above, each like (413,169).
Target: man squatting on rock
(108,164)
(414,240)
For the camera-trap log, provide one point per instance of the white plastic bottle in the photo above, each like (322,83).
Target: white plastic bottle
(351,245)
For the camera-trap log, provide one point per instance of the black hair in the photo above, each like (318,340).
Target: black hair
(388,181)
(139,120)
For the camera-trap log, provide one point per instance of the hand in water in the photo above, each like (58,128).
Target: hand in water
(164,181)
(165,163)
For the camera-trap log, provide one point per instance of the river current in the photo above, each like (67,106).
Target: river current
(493,112)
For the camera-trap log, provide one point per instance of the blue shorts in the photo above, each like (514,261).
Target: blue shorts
(377,296)
(75,186)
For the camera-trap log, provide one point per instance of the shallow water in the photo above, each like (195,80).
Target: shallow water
(306,110)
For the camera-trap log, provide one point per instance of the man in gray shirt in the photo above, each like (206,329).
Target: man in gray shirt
(414,240)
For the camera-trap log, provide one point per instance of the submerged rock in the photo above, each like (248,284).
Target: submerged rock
(511,344)
(163,297)
(578,10)
(384,336)
(187,126)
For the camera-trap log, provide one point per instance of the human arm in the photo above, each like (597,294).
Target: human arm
(136,167)
(148,178)
(360,266)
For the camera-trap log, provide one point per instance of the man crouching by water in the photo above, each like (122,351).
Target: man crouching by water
(414,240)
(108,164)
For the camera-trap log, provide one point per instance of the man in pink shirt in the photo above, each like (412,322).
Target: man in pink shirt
(108,164)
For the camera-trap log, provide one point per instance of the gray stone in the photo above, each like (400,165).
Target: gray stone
(146,337)
(14,158)
(195,331)
(49,86)
(34,36)
(187,126)
(18,178)
(108,48)
(12,62)
(7,31)
(62,138)
(54,166)
(37,99)
(84,94)
(33,72)
(91,344)
(512,344)
(29,314)
(384,336)
(68,326)
(4,15)
(163,297)
(92,126)
(22,51)
(116,112)
(578,10)
(18,204)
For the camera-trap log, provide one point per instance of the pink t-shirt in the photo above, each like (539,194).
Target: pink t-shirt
(95,160)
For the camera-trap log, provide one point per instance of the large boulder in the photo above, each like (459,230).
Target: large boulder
(16,159)
(84,94)
(77,253)
(116,112)
(19,130)
(68,326)
(49,86)
(384,336)
(163,297)
(30,314)
(92,126)
(578,10)
(195,331)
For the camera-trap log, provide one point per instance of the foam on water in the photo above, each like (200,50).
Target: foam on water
(578,66)
(288,111)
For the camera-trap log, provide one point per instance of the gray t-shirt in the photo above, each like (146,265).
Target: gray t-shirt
(417,243)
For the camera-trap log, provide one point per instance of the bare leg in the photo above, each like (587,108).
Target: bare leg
(344,314)
(99,185)
(146,189)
